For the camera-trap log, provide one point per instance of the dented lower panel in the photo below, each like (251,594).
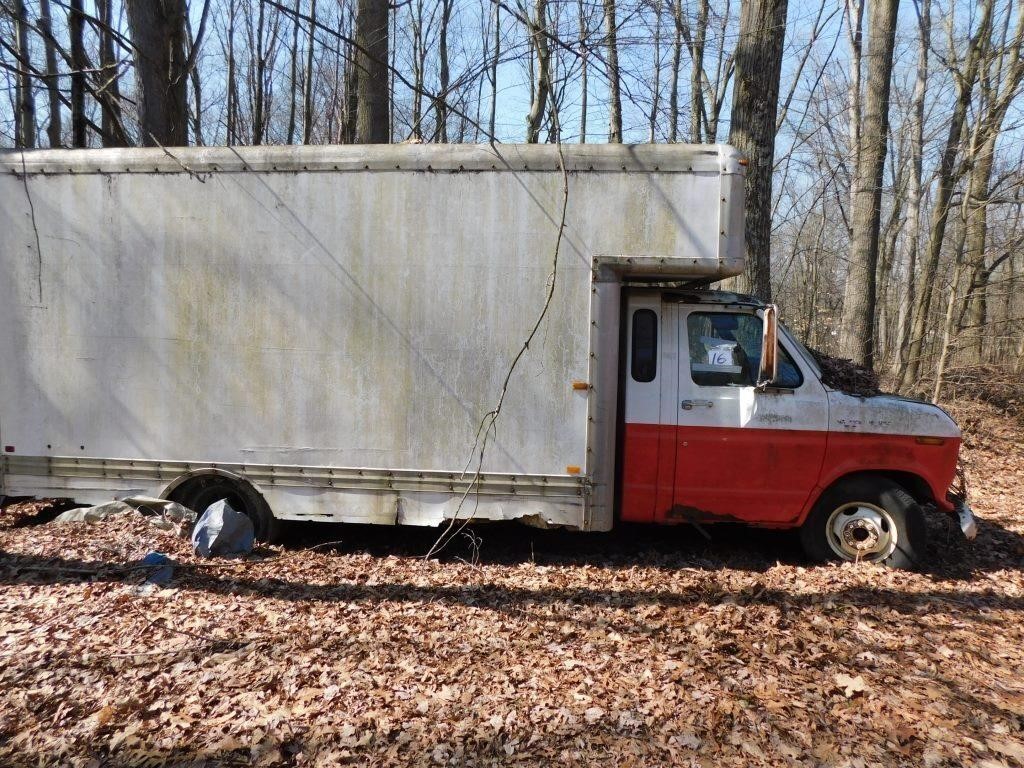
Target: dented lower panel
(327,494)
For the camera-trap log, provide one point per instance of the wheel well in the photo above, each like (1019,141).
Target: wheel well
(198,490)
(913,484)
(189,489)
(186,483)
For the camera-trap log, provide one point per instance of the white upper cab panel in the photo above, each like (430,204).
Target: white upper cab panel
(888,415)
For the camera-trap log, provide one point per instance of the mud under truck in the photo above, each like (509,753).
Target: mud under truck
(318,333)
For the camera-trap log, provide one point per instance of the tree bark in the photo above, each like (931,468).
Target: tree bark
(854,25)
(755,101)
(974,249)
(612,72)
(158,35)
(372,72)
(858,325)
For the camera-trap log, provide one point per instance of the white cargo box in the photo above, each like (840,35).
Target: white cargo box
(333,323)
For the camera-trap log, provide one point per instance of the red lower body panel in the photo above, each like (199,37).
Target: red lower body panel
(764,476)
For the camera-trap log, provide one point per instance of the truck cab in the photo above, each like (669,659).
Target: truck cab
(713,429)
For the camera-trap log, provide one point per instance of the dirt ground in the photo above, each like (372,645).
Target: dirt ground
(647,647)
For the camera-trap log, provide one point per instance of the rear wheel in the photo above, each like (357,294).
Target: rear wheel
(200,492)
(869,519)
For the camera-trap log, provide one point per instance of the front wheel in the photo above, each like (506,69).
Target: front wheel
(868,519)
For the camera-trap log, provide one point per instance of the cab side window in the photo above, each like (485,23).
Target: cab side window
(644,352)
(725,351)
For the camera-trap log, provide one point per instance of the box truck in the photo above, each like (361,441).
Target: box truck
(323,333)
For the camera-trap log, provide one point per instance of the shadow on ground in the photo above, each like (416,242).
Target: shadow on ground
(713,547)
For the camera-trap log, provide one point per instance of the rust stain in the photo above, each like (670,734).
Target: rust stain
(686,514)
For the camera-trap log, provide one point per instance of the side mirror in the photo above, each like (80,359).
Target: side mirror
(769,370)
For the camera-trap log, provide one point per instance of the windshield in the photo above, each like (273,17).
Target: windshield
(801,350)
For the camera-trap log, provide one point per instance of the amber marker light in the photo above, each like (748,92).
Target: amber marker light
(572,469)
(931,440)
(580,385)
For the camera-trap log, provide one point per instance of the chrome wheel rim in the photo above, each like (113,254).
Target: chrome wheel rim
(861,531)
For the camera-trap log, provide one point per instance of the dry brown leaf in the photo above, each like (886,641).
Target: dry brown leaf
(850,686)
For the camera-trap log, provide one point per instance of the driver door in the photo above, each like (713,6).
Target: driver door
(741,453)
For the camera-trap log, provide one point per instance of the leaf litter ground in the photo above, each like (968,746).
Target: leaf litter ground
(646,647)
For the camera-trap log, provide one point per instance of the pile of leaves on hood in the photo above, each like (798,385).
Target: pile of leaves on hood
(847,376)
(639,647)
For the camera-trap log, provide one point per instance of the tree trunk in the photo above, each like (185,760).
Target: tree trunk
(858,324)
(110,102)
(755,101)
(612,72)
(53,126)
(293,75)
(444,75)
(947,178)
(677,56)
(232,97)
(539,39)
(348,132)
(372,68)
(584,67)
(25,123)
(307,91)
(158,35)
(912,235)
(652,116)
(76,28)
(197,84)
(974,249)
(494,72)
(697,71)
(257,80)
(854,24)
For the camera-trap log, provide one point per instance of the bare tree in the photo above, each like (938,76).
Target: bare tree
(108,79)
(371,68)
(965,78)
(539,39)
(308,118)
(755,101)
(76,25)
(25,122)
(158,35)
(52,80)
(612,73)
(912,236)
(858,339)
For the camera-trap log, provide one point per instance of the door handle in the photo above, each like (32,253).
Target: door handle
(689,405)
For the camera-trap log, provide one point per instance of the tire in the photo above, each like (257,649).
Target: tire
(867,518)
(199,493)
